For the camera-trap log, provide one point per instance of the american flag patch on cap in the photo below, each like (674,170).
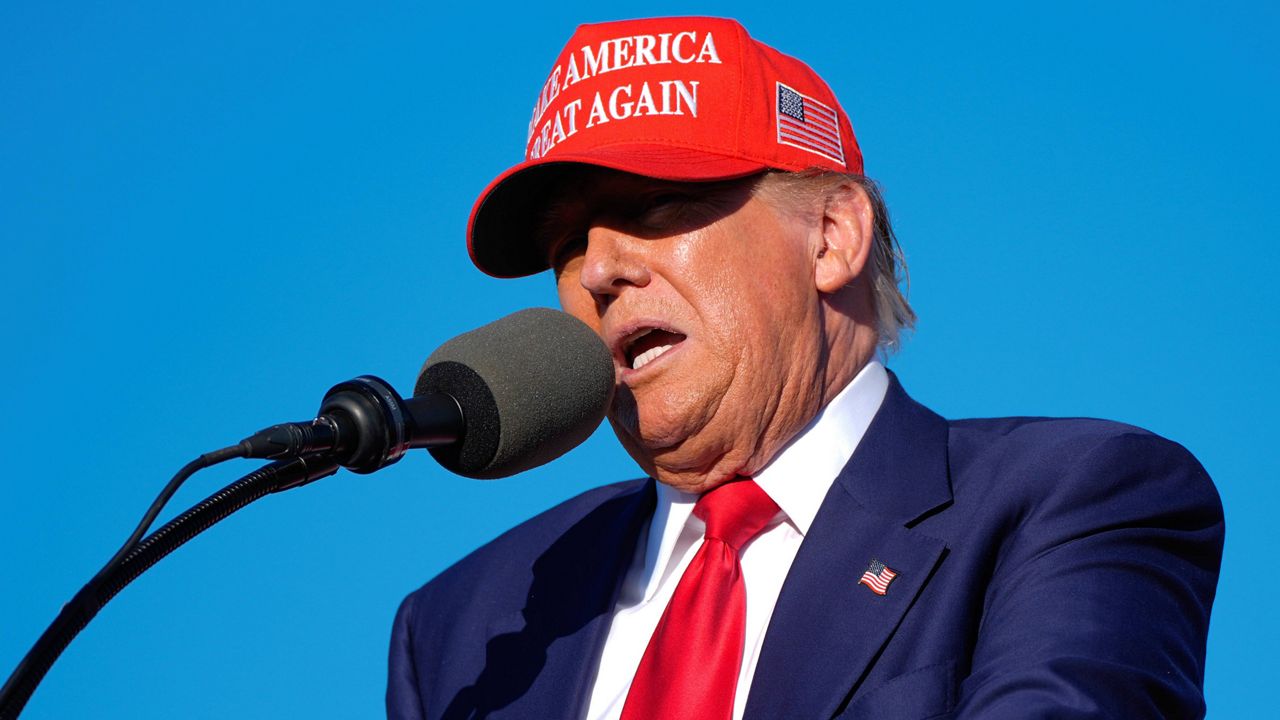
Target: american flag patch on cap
(808,124)
(877,577)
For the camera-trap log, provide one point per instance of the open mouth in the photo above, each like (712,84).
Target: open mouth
(648,345)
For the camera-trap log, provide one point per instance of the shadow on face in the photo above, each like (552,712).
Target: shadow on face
(579,198)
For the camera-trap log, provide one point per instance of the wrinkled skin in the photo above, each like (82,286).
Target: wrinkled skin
(760,296)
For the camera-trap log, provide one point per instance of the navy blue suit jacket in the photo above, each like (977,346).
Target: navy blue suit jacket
(1046,569)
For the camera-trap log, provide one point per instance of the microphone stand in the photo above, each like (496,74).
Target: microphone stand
(82,608)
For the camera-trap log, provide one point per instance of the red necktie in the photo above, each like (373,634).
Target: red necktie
(690,669)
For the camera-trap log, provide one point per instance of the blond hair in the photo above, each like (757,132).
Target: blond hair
(888,266)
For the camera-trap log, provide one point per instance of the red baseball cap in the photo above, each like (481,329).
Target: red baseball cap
(683,99)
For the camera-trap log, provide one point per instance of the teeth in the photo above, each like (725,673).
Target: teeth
(648,356)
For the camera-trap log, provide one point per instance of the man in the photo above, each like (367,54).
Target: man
(817,544)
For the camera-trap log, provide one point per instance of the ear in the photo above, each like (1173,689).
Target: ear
(847,234)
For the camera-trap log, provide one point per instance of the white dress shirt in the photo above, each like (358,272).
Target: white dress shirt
(797,480)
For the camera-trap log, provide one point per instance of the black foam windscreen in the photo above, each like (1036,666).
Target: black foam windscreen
(532,386)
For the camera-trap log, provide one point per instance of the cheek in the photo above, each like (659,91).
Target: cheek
(702,268)
(574,299)
(744,277)
(768,303)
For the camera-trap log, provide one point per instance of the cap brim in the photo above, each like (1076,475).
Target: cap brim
(500,234)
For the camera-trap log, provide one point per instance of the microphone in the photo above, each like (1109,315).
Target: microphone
(501,399)
(495,401)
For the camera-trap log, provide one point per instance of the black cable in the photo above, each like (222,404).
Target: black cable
(208,459)
(114,577)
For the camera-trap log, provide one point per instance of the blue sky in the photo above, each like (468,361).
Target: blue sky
(211,214)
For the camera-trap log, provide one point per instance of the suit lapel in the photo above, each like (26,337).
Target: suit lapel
(573,659)
(547,652)
(827,629)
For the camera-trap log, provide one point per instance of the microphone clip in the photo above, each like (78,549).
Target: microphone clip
(365,424)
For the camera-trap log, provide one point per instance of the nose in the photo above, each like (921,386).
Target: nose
(613,261)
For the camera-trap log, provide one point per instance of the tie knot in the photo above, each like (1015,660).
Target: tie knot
(735,511)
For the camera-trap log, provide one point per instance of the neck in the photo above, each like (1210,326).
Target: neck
(847,350)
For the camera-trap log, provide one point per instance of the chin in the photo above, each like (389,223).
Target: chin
(660,432)
(692,483)
(647,426)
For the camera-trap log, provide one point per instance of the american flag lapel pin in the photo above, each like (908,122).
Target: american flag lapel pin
(877,577)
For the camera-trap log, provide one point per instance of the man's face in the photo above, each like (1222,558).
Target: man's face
(705,295)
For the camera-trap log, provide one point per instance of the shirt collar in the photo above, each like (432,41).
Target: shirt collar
(797,479)
(800,476)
